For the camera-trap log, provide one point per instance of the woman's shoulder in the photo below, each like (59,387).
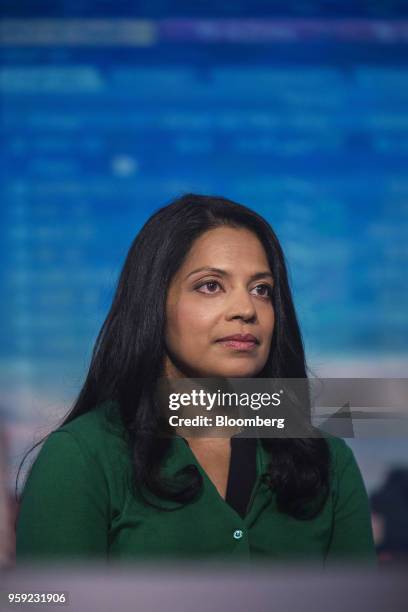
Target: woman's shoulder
(91,447)
(99,433)
(340,451)
(80,473)
(345,470)
(102,421)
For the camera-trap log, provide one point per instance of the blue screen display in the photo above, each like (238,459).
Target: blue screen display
(110,113)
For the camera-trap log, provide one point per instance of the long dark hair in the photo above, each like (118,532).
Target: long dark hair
(128,356)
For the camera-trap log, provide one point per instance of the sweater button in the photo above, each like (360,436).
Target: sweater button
(237,534)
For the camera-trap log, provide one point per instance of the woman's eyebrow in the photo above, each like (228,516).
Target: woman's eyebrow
(225,273)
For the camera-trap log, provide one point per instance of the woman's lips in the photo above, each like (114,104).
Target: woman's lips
(238,345)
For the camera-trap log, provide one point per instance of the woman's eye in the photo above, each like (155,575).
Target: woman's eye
(265,290)
(210,285)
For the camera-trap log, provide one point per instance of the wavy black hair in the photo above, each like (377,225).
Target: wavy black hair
(128,356)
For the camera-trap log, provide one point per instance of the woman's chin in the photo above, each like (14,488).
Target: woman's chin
(231,372)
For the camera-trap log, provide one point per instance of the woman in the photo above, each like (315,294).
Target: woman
(106,485)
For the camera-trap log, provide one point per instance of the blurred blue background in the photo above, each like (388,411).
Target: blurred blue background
(110,110)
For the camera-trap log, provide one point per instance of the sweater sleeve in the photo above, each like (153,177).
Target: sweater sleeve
(352,536)
(64,510)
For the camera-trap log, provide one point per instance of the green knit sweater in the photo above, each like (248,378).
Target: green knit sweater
(77,504)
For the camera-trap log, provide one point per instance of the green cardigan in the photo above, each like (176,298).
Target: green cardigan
(77,505)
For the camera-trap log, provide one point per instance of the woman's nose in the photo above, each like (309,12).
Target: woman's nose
(241,305)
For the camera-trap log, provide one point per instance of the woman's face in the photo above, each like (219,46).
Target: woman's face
(223,288)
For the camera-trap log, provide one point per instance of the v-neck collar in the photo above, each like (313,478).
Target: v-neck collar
(182,456)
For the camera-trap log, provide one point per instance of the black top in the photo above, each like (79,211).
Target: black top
(242,473)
